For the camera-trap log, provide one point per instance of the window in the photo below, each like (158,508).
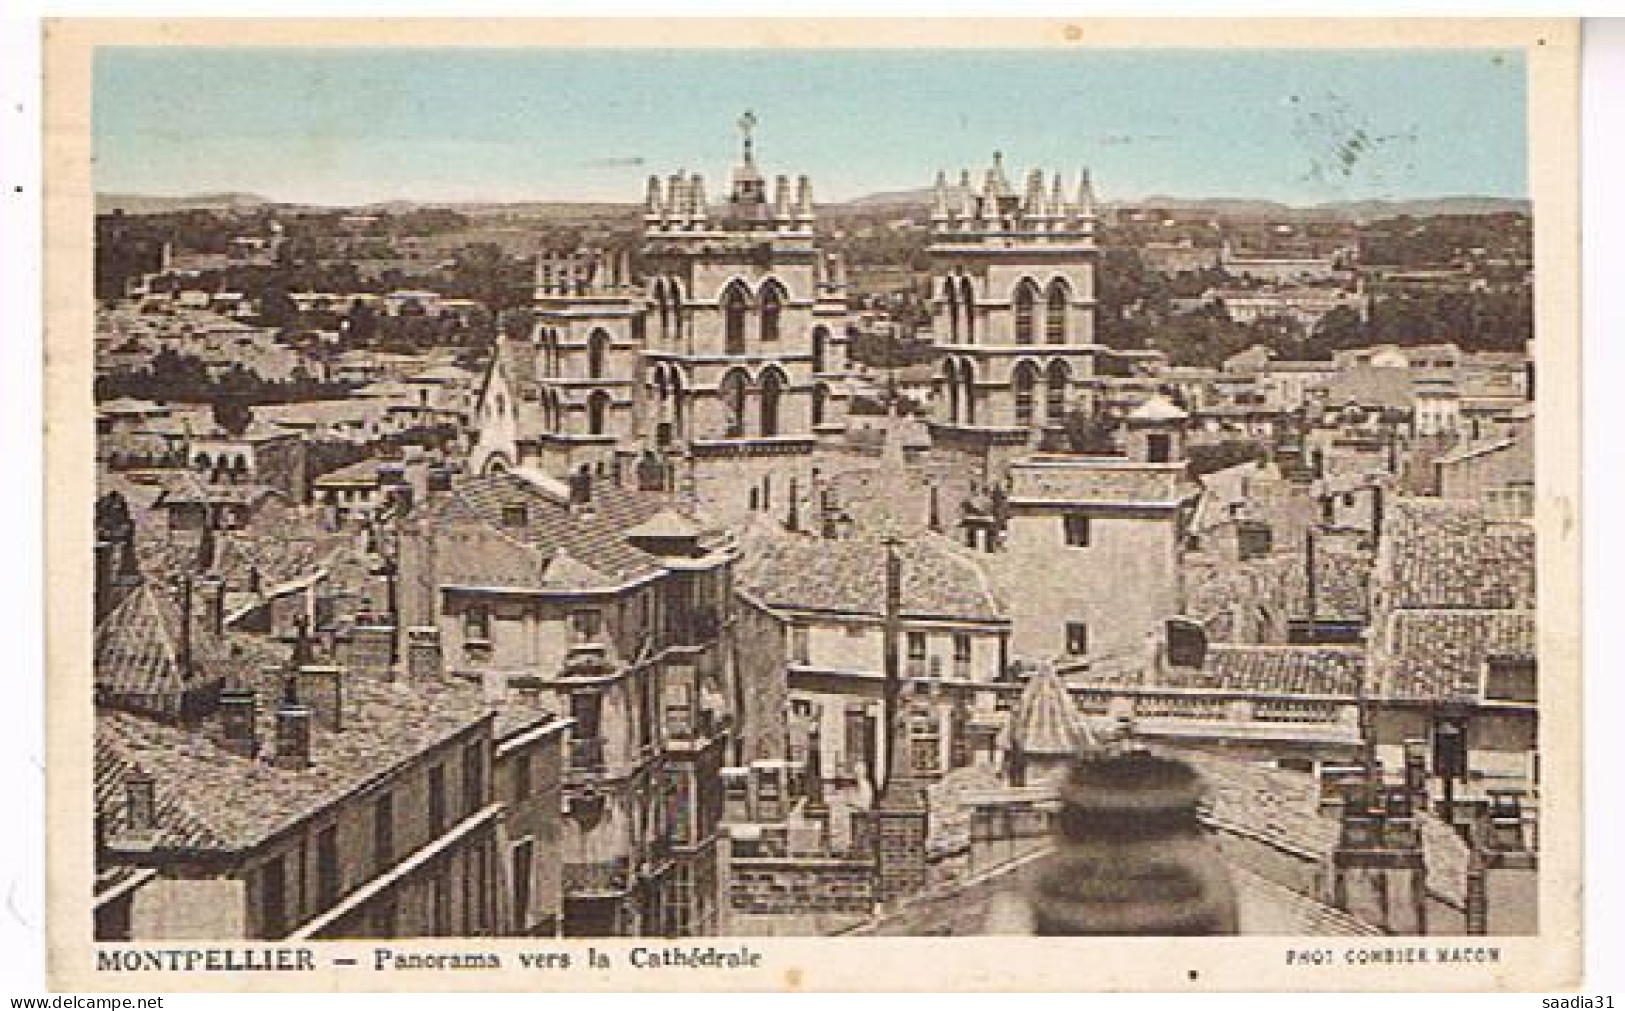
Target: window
(772,311)
(916,654)
(772,390)
(523,860)
(1077,638)
(521,777)
(437,799)
(585,626)
(274,899)
(1076,527)
(440,905)
(1159,447)
(327,867)
(735,304)
(1055,314)
(477,623)
(473,776)
(800,644)
(597,413)
(514,515)
(597,354)
(1024,300)
(383,831)
(962,655)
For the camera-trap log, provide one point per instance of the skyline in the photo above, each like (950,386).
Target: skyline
(508,125)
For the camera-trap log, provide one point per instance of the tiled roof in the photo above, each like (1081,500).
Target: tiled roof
(1444,554)
(1442,654)
(495,548)
(803,572)
(1045,721)
(1370,386)
(1273,669)
(1084,479)
(214,800)
(186,488)
(138,656)
(1285,670)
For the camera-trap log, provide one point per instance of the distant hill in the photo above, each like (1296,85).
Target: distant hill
(900,202)
(1235,208)
(107,203)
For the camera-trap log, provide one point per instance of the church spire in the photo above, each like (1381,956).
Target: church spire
(1086,196)
(696,197)
(939,203)
(781,199)
(804,200)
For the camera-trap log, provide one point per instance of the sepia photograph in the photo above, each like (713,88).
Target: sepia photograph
(714,496)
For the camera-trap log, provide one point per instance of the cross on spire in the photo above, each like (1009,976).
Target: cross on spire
(747,123)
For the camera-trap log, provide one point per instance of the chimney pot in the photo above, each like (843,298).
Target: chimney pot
(293,736)
(140,803)
(239,731)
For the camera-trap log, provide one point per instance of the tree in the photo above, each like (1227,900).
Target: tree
(1341,328)
(233,416)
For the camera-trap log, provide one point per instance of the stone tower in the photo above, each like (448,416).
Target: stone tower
(1013,306)
(739,332)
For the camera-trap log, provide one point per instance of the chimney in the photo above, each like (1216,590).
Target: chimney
(183,650)
(423,656)
(214,604)
(292,736)
(581,488)
(140,804)
(1125,817)
(239,731)
(1187,643)
(321,689)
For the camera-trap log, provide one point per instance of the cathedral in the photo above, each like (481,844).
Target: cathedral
(1013,309)
(710,366)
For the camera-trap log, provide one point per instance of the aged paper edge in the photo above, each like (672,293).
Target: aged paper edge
(1547,962)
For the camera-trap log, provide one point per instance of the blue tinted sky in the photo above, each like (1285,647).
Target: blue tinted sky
(354,125)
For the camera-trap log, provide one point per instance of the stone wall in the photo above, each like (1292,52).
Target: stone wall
(801,885)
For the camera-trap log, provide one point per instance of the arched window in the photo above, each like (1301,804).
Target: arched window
(1025,302)
(597,354)
(950,378)
(967,377)
(663,308)
(1055,312)
(952,295)
(735,394)
(967,305)
(597,412)
(1056,378)
(772,310)
(679,408)
(820,339)
(735,308)
(772,390)
(820,403)
(1023,381)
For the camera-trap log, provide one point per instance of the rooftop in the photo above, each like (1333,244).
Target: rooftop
(386,725)
(803,572)
(511,531)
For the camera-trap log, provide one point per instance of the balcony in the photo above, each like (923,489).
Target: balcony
(587,755)
(588,660)
(693,628)
(596,878)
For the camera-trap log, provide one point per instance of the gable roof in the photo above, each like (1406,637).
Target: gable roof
(802,572)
